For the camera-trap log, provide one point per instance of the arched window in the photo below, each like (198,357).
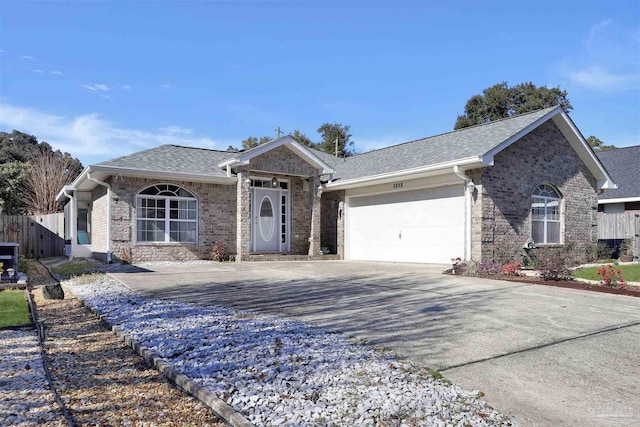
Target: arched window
(545,215)
(166,213)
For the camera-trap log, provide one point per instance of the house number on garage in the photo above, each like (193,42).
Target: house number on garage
(397,185)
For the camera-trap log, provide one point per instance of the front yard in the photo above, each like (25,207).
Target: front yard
(630,272)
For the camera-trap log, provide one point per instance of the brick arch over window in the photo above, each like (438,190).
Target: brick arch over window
(166,213)
(546,214)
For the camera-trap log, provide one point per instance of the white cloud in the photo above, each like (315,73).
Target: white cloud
(166,86)
(92,138)
(28,58)
(96,88)
(57,73)
(176,129)
(595,77)
(37,71)
(609,61)
(125,87)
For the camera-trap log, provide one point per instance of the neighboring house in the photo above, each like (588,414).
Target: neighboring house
(623,164)
(459,194)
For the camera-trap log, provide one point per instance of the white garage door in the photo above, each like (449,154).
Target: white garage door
(413,226)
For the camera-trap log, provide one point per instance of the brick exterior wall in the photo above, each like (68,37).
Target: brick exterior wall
(501,213)
(216,221)
(99,219)
(329,219)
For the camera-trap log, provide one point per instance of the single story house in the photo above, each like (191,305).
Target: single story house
(459,194)
(623,164)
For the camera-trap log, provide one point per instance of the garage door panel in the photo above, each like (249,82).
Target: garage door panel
(413,226)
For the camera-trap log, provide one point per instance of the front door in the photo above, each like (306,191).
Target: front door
(266,220)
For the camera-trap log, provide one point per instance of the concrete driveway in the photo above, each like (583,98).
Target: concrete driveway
(547,356)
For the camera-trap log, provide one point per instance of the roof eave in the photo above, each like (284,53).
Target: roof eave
(619,200)
(431,170)
(584,151)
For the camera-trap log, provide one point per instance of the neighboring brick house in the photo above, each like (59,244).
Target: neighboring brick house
(623,165)
(457,194)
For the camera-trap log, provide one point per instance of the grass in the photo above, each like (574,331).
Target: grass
(14,309)
(631,273)
(77,267)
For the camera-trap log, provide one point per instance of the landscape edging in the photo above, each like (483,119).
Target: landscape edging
(222,410)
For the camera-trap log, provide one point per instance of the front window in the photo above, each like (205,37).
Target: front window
(545,215)
(167,213)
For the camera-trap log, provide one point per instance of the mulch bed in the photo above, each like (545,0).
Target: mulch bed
(630,290)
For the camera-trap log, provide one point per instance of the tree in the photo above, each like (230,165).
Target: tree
(303,139)
(252,142)
(330,132)
(48,172)
(501,101)
(598,145)
(12,176)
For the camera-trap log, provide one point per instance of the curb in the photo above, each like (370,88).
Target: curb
(219,407)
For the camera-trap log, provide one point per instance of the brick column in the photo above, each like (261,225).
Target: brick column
(340,232)
(316,213)
(243,215)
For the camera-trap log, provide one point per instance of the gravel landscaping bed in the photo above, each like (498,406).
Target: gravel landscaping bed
(25,397)
(283,372)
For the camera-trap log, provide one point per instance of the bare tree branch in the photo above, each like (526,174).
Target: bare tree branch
(48,172)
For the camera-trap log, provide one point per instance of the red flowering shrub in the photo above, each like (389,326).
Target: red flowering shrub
(611,276)
(511,269)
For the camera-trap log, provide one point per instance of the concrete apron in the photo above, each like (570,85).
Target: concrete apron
(547,356)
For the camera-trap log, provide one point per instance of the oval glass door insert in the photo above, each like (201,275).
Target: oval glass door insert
(266,219)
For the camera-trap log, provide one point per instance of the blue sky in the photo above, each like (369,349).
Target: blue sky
(103,79)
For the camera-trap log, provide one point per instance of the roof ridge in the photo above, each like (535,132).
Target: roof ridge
(618,148)
(458,130)
(194,148)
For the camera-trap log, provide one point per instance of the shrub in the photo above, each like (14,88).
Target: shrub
(488,268)
(602,251)
(611,276)
(125,255)
(552,264)
(511,269)
(219,252)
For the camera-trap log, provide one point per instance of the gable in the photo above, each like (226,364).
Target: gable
(282,160)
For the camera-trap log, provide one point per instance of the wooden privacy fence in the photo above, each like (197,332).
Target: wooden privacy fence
(39,236)
(618,226)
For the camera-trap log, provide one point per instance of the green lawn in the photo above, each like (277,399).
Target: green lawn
(631,273)
(14,309)
(77,267)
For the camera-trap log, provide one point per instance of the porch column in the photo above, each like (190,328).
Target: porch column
(243,215)
(316,213)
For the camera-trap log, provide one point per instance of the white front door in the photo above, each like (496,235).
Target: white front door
(266,219)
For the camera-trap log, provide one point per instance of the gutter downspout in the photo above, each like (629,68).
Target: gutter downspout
(469,188)
(73,223)
(104,184)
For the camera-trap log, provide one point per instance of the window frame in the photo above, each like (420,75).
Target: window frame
(168,193)
(547,194)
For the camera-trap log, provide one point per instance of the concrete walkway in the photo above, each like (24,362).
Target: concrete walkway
(547,356)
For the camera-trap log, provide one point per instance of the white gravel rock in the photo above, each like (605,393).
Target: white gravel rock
(283,372)
(25,397)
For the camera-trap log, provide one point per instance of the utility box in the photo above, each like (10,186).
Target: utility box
(9,259)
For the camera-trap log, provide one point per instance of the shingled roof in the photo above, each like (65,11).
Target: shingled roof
(173,159)
(471,142)
(623,164)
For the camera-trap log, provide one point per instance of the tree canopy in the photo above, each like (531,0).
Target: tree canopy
(26,163)
(329,133)
(598,145)
(332,133)
(501,101)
